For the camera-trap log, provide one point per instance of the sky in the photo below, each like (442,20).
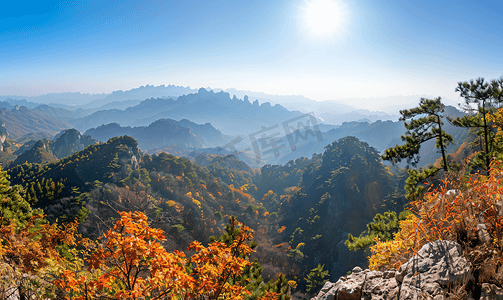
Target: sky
(364,49)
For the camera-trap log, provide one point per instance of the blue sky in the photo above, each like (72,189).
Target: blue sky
(380,47)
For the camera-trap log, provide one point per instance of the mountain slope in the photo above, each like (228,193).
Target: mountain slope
(104,178)
(163,132)
(40,153)
(66,143)
(21,121)
(340,195)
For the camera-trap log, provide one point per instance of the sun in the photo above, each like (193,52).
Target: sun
(324,17)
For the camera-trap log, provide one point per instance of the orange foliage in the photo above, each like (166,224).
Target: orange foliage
(131,264)
(450,212)
(32,248)
(218,263)
(132,258)
(393,253)
(29,257)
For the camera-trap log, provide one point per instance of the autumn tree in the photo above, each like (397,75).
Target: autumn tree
(251,277)
(425,124)
(130,263)
(455,211)
(31,254)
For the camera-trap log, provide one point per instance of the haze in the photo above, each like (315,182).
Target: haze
(368,49)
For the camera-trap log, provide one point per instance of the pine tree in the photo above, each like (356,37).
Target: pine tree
(486,96)
(382,226)
(427,126)
(316,279)
(12,206)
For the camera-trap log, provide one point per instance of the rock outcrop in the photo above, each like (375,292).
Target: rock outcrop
(437,267)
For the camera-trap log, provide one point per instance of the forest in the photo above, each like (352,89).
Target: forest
(84,219)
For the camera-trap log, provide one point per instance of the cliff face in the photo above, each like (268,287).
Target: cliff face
(69,142)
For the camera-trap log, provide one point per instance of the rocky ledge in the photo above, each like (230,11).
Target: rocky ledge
(438,271)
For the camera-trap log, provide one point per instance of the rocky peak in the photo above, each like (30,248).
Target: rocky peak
(70,141)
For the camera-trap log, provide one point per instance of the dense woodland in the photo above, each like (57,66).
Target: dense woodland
(83,219)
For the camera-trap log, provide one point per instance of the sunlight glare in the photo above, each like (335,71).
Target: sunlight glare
(324,17)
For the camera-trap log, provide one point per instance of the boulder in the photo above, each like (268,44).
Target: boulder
(491,292)
(380,286)
(346,288)
(427,275)
(435,266)
(351,288)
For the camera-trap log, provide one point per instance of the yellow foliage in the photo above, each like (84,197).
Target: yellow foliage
(393,253)
(196,203)
(292,284)
(497,120)
(454,208)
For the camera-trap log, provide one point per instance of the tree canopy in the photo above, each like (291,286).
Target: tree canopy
(425,124)
(481,98)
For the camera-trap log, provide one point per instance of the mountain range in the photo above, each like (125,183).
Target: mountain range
(20,121)
(230,115)
(97,100)
(44,151)
(191,161)
(164,132)
(207,122)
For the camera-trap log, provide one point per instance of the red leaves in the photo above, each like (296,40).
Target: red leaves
(132,264)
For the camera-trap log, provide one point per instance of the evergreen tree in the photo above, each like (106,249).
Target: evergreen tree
(316,279)
(382,226)
(427,126)
(12,206)
(486,96)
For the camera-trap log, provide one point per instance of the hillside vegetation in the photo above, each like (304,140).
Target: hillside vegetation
(82,219)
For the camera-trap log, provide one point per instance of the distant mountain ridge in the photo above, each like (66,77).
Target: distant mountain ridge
(163,132)
(21,121)
(333,112)
(229,115)
(97,100)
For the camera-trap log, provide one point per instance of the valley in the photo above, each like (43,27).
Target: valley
(196,162)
